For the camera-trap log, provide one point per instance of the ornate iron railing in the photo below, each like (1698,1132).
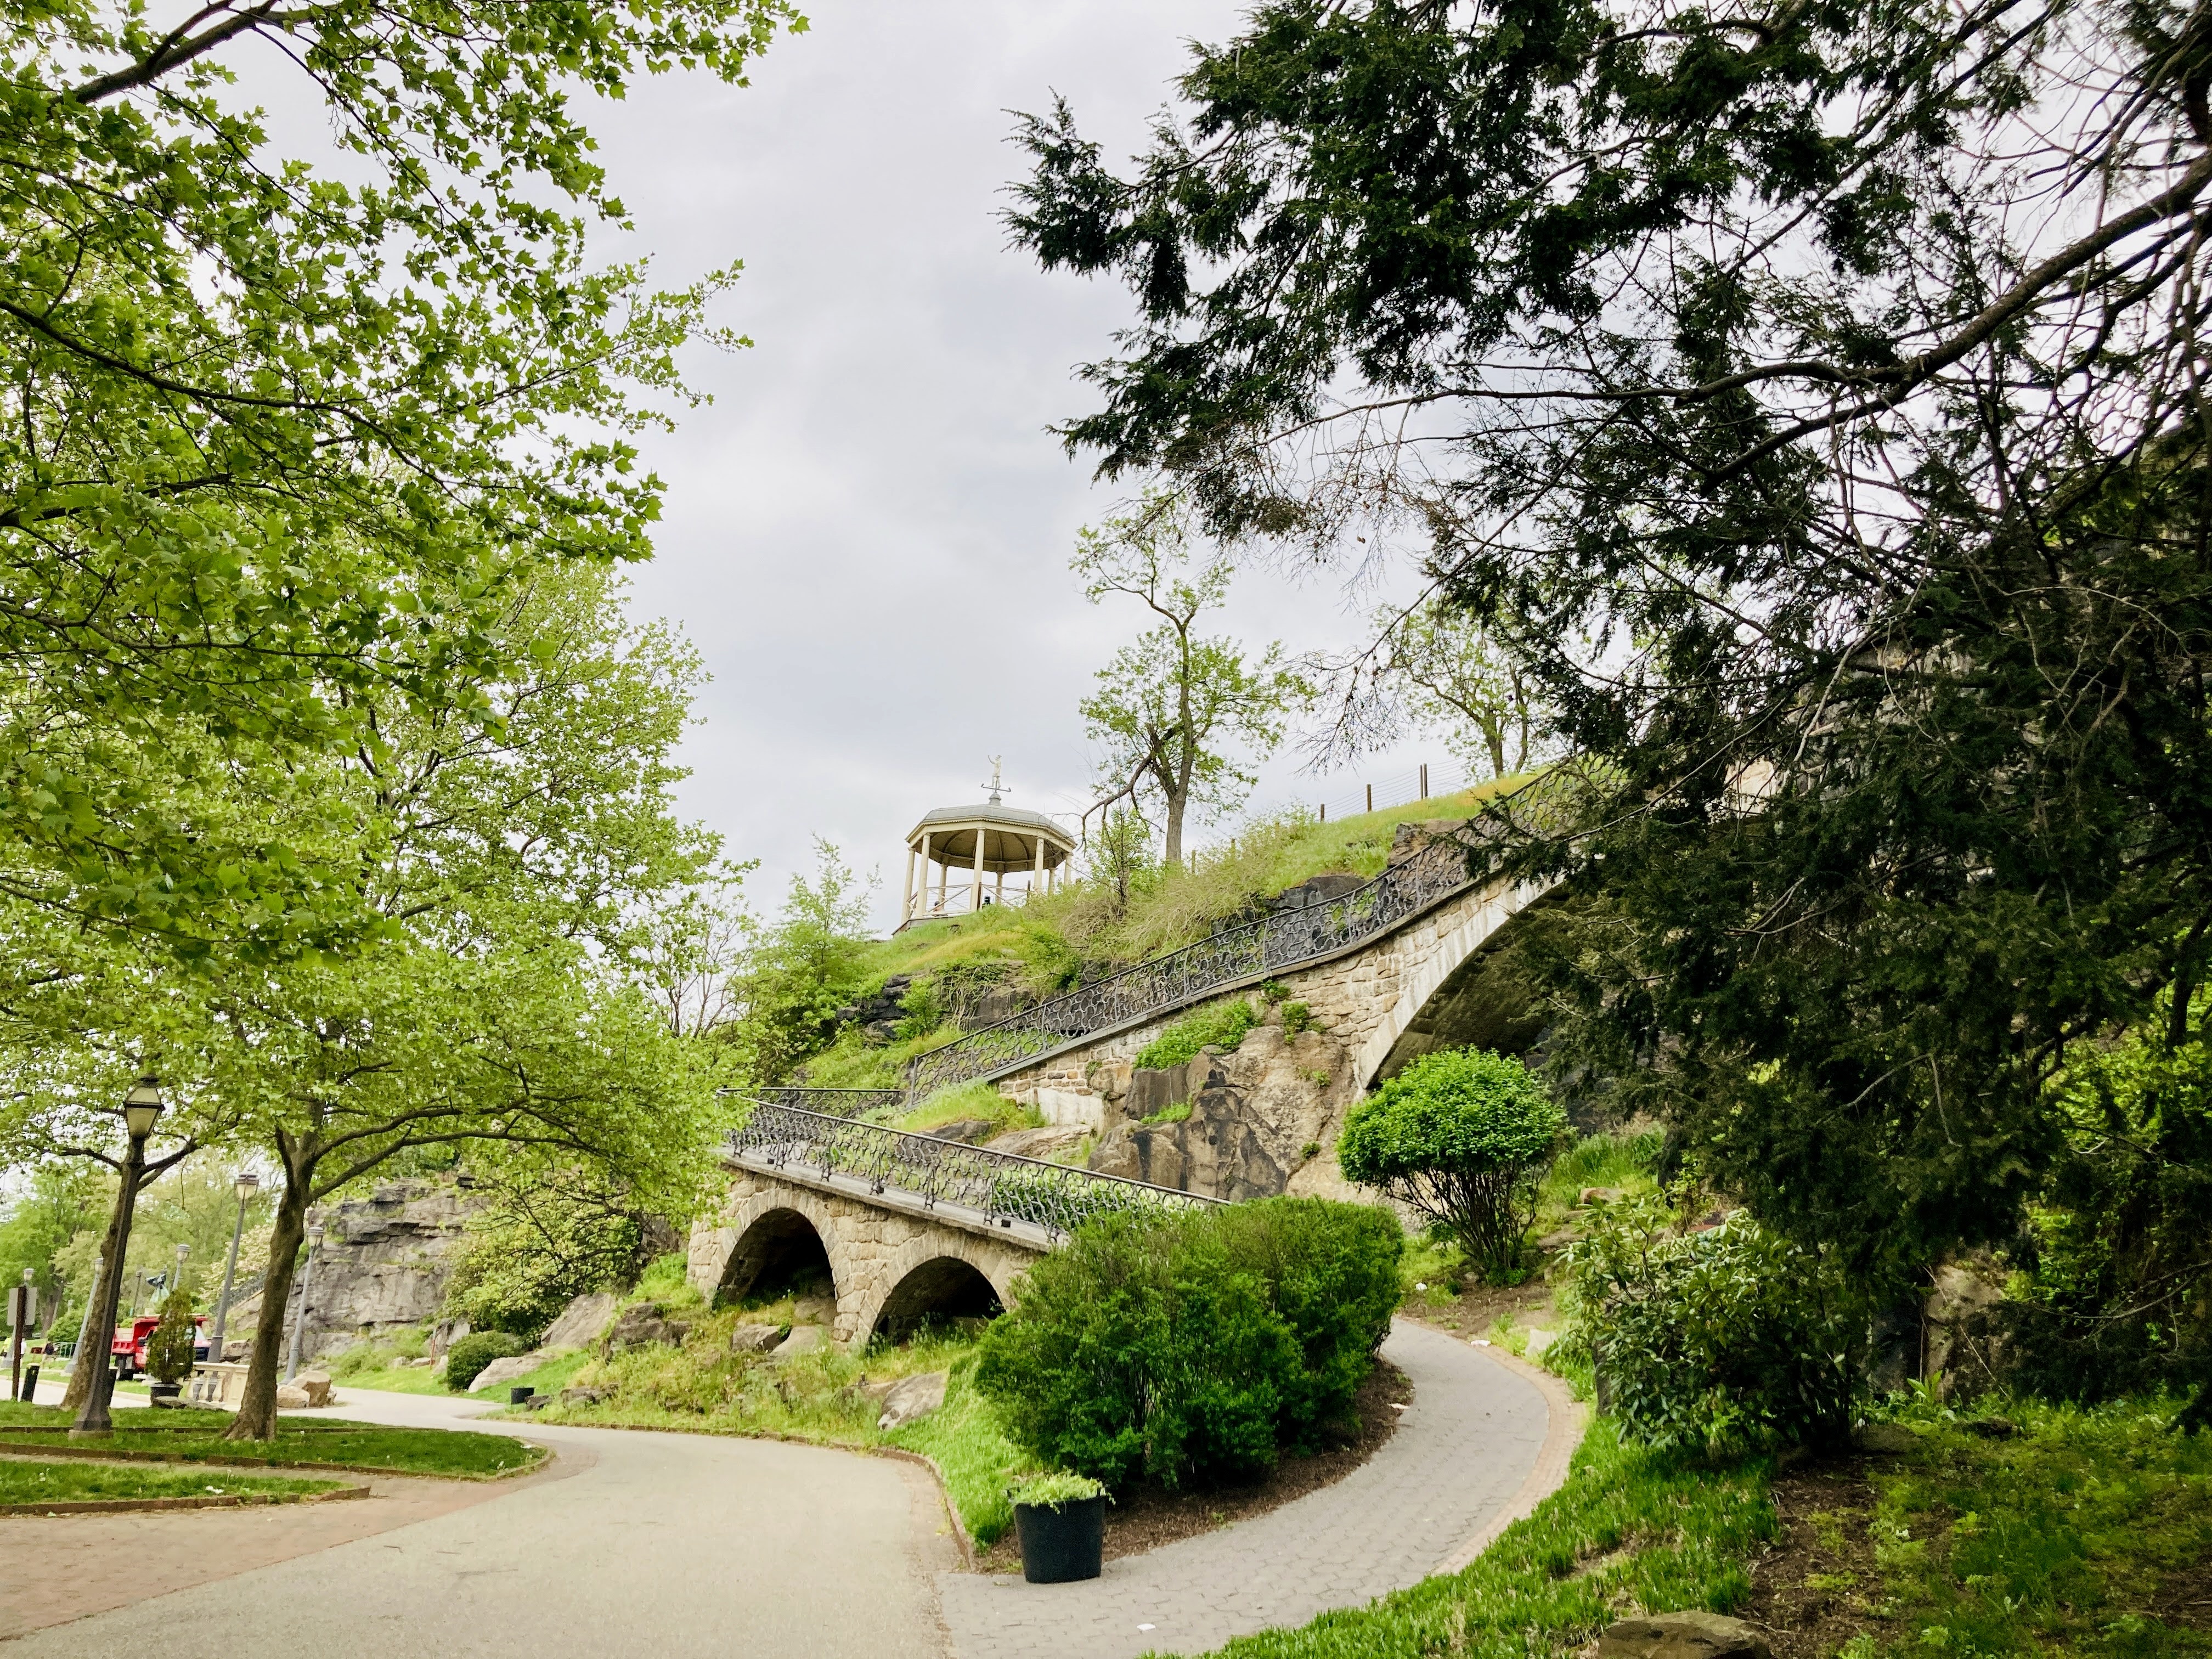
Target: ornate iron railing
(1281,940)
(1004,1188)
(1285,939)
(835,1103)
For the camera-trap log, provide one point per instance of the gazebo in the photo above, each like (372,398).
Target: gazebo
(991,840)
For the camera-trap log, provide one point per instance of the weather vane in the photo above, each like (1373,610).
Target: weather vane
(994,785)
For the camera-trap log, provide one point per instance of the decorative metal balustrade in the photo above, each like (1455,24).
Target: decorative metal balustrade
(835,1103)
(1285,939)
(1003,1187)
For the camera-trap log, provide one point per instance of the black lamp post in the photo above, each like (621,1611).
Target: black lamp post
(246,1185)
(142,1108)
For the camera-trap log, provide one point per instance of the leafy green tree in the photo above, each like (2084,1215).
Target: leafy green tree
(279,438)
(1442,671)
(45,1213)
(169,1349)
(796,973)
(1773,387)
(1170,707)
(1463,1137)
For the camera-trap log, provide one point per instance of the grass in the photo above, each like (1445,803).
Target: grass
(1629,1528)
(1220,1026)
(1042,947)
(703,1387)
(26,1482)
(2062,1539)
(968,1100)
(195,1437)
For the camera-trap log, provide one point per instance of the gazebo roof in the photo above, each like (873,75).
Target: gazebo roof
(1011,835)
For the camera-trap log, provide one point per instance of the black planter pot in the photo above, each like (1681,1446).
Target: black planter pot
(164,1390)
(516,1395)
(1059,1546)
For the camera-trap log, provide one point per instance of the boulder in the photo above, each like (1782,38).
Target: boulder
(1681,1636)
(912,1397)
(754,1338)
(289,1399)
(804,1338)
(813,1310)
(581,1396)
(444,1334)
(643,1326)
(501,1372)
(1039,1143)
(581,1321)
(973,1130)
(1884,1439)
(316,1385)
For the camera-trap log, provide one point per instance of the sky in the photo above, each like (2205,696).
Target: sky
(866,534)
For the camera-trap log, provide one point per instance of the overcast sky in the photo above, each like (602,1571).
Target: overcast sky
(867,533)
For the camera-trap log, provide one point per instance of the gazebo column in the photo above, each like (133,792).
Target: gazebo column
(1036,876)
(944,884)
(975,898)
(906,899)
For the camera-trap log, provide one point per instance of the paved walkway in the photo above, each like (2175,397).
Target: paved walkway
(679,1545)
(1484,1440)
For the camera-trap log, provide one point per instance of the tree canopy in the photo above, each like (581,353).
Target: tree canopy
(283,434)
(1809,398)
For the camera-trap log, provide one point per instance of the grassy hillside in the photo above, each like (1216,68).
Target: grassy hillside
(1085,929)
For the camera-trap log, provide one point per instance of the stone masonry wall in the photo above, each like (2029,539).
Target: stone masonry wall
(870,1249)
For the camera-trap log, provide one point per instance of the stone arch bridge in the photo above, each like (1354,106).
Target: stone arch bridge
(904,1227)
(907,1226)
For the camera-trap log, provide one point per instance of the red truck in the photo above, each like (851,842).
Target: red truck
(129,1346)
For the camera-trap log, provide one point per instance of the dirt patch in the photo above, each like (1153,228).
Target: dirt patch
(2185,1597)
(1146,1517)
(1815,1587)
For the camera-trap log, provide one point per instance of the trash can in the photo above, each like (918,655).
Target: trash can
(516,1395)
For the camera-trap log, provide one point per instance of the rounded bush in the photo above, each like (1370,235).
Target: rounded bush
(1462,1137)
(466,1359)
(1722,1341)
(1196,1345)
(169,1349)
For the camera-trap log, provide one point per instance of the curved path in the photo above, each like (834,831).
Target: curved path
(1486,1438)
(681,1546)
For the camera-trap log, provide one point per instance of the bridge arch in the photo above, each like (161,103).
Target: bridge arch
(1455,994)
(778,1239)
(943,1274)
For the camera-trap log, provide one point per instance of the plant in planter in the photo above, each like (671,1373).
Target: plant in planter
(169,1349)
(1061,1520)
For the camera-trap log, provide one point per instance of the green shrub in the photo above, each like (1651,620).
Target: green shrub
(1194,1346)
(1222,1026)
(467,1357)
(1462,1137)
(169,1350)
(1296,1017)
(1726,1339)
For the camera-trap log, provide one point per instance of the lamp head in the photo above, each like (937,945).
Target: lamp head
(247,1183)
(315,1234)
(141,1106)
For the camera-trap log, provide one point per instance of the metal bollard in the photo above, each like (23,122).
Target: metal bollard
(30,1383)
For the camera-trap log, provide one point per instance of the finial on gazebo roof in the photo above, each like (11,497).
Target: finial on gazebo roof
(994,785)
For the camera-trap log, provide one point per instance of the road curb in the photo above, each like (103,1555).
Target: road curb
(123,1455)
(212,1501)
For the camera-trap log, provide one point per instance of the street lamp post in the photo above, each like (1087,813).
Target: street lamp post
(300,1320)
(142,1108)
(246,1185)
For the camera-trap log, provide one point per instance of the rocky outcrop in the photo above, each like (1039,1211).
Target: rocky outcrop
(501,1372)
(646,1325)
(1692,1635)
(912,1397)
(1263,1119)
(383,1266)
(581,1322)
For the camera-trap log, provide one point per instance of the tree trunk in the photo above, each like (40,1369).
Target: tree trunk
(257,1411)
(1173,856)
(80,1376)
(87,1370)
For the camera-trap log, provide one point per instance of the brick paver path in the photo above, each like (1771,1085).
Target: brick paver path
(1483,1441)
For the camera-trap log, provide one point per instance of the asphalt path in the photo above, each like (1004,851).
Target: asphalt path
(670,1545)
